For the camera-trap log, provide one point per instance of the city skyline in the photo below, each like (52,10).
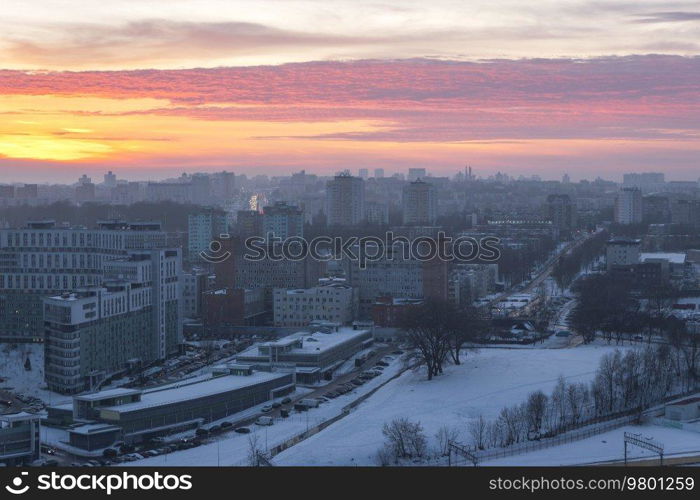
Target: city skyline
(536,90)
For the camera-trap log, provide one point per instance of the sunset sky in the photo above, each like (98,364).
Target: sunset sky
(152,88)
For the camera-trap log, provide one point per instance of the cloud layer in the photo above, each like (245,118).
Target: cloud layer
(635,106)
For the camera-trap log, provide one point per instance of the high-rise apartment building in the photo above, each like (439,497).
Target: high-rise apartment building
(283,221)
(416,173)
(419,203)
(345,200)
(628,206)
(203,227)
(562,212)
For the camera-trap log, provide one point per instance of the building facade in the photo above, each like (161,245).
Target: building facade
(628,206)
(283,221)
(44,259)
(132,319)
(419,203)
(345,200)
(202,228)
(331,301)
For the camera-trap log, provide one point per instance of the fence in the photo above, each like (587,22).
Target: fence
(568,437)
(580,431)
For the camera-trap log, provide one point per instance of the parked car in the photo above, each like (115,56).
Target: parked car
(284,413)
(201,432)
(264,420)
(242,430)
(276,404)
(286,401)
(214,428)
(267,408)
(226,425)
(126,448)
(310,402)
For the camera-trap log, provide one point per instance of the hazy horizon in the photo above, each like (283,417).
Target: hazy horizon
(152,89)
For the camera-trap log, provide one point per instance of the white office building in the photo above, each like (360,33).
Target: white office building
(331,301)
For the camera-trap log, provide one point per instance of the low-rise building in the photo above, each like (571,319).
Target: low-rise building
(20,438)
(312,354)
(133,415)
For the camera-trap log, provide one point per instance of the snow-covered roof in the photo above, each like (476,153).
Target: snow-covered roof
(673,258)
(22,415)
(93,429)
(311,342)
(109,393)
(210,387)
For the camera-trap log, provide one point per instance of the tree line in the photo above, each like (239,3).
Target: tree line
(582,257)
(624,383)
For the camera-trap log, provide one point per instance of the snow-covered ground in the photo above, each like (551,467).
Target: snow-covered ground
(30,382)
(608,446)
(485,383)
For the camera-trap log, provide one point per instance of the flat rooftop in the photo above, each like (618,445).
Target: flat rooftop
(673,258)
(311,342)
(209,387)
(89,429)
(109,393)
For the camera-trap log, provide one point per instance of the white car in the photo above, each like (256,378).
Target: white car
(265,421)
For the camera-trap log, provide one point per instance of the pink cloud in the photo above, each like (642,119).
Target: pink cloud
(653,98)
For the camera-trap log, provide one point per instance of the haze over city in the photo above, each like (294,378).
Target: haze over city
(152,89)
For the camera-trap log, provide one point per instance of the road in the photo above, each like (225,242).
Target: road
(543,274)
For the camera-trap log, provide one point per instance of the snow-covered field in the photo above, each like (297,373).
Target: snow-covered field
(608,446)
(485,383)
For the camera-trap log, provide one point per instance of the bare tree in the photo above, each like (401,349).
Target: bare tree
(446,435)
(405,438)
(535,410)
(428,329)
(465,326)
(478,430)
(255,450)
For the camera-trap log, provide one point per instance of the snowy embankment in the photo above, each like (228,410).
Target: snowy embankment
(484,384)
(607,447)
